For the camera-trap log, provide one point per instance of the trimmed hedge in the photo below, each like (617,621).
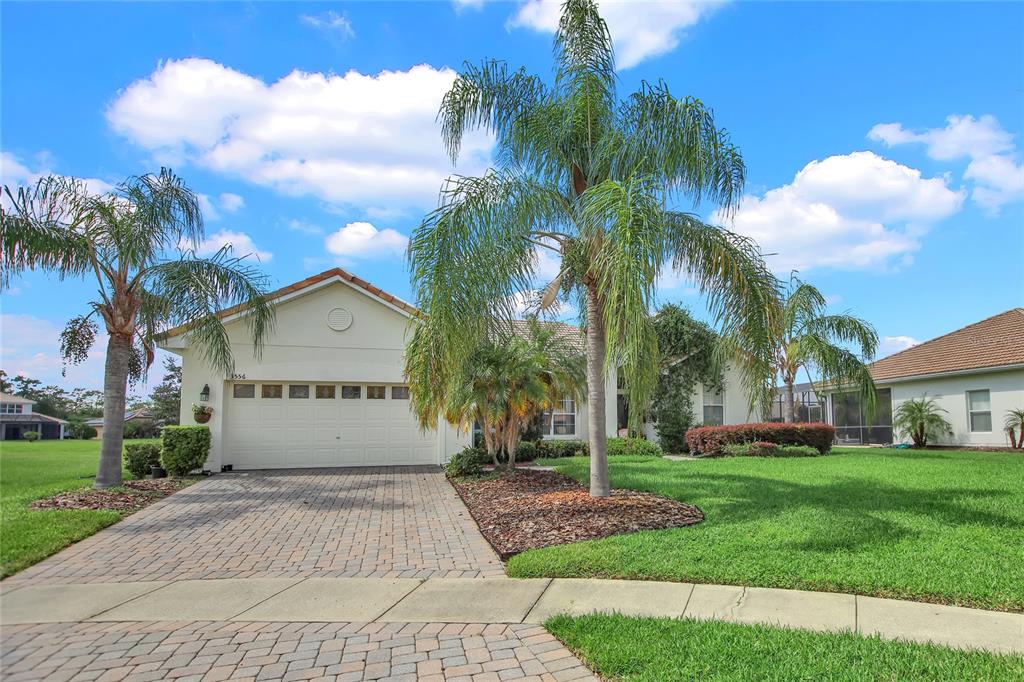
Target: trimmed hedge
(763,449)
(140,458)
(548,449)
(185,448)
(711,440)
(526,451)
(633,447)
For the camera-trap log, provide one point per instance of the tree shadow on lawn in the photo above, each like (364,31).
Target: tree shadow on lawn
(849,510)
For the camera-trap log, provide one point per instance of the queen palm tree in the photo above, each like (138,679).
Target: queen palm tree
(804,337)
(137,241)
(523,371)
(592,180)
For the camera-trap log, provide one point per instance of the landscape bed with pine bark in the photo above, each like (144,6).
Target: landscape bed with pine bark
(128,498)
(531,509)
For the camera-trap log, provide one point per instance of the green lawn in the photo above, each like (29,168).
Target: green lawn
(931,526)
(637,649)
(30,471)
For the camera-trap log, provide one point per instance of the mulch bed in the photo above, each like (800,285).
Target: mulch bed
(130,497)
(543,508)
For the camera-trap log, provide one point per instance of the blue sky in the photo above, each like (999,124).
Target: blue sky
(883,141)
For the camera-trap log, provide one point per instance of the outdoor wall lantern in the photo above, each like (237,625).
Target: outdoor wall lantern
(204,395)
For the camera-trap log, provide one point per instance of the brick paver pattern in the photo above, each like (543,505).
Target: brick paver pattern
(206,651)
(389,522)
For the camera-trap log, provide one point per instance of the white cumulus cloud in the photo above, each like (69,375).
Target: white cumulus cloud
(363,240)
(995,167)
(894,344)
(241,245)
(640,30)
(14,172)
(369,141)
(850,211)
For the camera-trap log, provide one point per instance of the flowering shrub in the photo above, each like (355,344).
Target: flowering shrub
(711,440)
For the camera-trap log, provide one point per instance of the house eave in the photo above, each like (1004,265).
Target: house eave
(932,375)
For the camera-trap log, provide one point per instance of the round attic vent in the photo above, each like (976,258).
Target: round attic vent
(339,319)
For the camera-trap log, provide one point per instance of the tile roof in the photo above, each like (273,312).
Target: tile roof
(997,341)
(16,399)
(308,282)
(563,330)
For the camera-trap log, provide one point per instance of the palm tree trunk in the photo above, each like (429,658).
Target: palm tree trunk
(790,415)
(115,387)
(599,486)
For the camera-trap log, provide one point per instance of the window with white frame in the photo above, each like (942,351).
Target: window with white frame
(714,407)
(561,420)
(979,411)
(11,408)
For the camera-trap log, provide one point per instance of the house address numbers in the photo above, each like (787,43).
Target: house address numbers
(237,377)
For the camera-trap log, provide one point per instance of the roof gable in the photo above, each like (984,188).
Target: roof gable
(15,399)
(309,284)
(997,341)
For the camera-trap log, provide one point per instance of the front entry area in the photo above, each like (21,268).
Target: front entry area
(287,425)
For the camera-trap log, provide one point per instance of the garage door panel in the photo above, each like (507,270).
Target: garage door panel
(324,432)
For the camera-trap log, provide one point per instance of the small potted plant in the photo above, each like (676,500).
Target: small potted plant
(201,413)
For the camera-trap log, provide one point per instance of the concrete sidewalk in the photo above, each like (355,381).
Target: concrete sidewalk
(509,601)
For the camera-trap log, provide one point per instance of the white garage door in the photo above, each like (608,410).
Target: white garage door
(291,425)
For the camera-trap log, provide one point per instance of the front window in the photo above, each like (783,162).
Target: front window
(979,411)
(11,408)
(714,407)
(561,420)
(244,390)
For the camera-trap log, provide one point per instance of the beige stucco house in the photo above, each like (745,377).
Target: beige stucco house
(975,374)
(329,389)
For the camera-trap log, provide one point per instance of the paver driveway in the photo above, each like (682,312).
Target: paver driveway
(369,522)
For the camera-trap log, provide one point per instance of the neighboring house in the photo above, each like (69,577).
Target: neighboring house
(976,374)
(329,388)
(140,417)
(17,417)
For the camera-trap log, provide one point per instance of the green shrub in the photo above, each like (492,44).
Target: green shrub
(549,449)
(635,447)
(766,449)
(526,452)
(30,436)
(465,463)
(711,440)
(185,448)
(140,458)
(79,430)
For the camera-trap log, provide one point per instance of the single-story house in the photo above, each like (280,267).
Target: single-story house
(18,417)
(329,389)
(142,417)
(976,374)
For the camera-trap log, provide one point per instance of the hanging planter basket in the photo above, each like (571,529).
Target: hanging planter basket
(201,413)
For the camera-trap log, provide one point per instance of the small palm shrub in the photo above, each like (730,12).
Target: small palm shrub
(185,448)
(1014,426)
(921,420)
(635,447)
(140,458)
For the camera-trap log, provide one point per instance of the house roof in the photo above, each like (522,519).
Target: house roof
(135,414)
(997,341)
(306,283)
(34,418)
(16,399)
(563,330)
